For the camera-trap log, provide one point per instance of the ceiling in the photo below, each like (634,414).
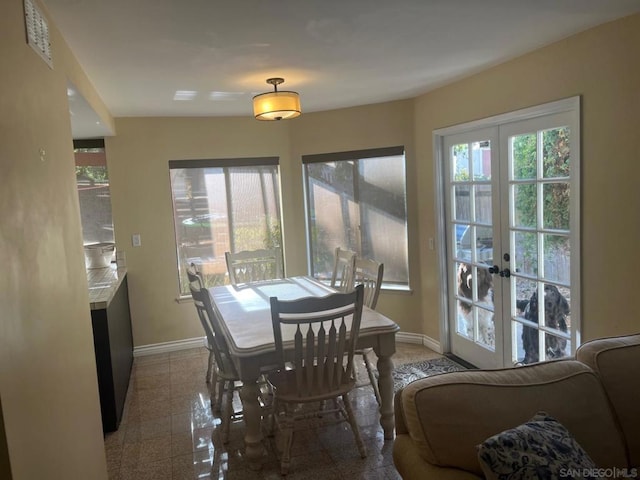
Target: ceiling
(209,57)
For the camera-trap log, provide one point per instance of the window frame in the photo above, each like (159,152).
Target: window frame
(220,163)
(355,156)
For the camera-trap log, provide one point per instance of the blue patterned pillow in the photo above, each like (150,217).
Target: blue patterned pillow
(539,449)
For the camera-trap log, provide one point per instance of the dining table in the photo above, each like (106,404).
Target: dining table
(244,314)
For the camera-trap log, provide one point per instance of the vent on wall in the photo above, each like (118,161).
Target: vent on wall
(37,31)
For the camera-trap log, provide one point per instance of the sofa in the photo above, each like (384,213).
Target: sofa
(444,422)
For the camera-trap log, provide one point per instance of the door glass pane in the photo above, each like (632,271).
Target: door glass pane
(524,289)
(481,156)
(476,243)
(475,304)
(557,258)
(524,204)
(460,162)
(464,297)
(556,347)
(552,312)
(517,351)
(486,327)
(523,156)
(482,244)
(555,153)
(525,260)
(483,204)
(556,205)
(462,250)
(462,202)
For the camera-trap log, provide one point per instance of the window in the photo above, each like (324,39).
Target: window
(92,180)
(223,205)
(357,200)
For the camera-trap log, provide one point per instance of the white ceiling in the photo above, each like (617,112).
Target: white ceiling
(140,54)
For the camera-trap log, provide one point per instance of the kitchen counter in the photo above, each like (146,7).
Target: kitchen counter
(103,284)
(112,339)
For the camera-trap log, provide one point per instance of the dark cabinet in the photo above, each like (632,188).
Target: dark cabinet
(113,344)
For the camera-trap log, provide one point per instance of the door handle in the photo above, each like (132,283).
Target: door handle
(506,273)
(494,270)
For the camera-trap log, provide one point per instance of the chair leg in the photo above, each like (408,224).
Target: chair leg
(271,418)
(215,389)
(217,407)
(287,441)
(354,425)
(209,367)
(227,413)
(372,377)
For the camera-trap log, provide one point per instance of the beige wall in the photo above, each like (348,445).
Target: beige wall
(595,64)
(137,159)
(141,197)
(599,66)
(47,366)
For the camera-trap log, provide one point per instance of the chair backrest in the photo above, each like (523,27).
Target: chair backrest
(254,265)
(369,273)
(325,331)
(208,319)
(343,266)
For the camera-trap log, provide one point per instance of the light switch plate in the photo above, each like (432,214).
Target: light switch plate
(135,240)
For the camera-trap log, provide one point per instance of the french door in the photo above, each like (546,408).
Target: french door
(510,215)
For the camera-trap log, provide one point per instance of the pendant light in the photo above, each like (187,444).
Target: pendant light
(276,105)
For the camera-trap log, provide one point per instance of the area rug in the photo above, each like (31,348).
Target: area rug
(405,374)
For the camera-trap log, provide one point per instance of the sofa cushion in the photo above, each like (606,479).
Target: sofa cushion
(617,362)
(541,448)
(448,415)
(411,466)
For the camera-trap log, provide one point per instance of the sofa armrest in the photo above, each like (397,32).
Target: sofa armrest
(616,360)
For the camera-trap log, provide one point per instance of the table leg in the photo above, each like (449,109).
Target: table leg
(252,418)
(385,385)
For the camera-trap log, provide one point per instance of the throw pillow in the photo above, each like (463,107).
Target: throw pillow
(539,449)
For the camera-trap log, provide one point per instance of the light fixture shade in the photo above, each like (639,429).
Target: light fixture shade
(278,105)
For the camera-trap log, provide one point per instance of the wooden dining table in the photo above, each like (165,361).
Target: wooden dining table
(244,313)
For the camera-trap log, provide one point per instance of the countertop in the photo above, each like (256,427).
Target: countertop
(103,284)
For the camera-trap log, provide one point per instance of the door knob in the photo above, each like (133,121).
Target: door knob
(505,273)
(495,269)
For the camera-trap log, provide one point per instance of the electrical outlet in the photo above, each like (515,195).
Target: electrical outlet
(135,240)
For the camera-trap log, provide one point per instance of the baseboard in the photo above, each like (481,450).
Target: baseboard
(431,343)
(419,339)
(167,347)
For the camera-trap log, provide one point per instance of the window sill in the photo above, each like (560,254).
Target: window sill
(184,299)
(404,289)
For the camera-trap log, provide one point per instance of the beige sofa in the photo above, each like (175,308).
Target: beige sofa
(440,420)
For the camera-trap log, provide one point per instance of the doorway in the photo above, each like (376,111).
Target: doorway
(509,207)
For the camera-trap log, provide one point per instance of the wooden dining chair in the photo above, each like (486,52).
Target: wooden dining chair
(254,265)
(223,376)
(343,267)
(369,273)
(196,285)
(323,332)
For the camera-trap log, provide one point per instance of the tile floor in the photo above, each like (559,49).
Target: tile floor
(169,432)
